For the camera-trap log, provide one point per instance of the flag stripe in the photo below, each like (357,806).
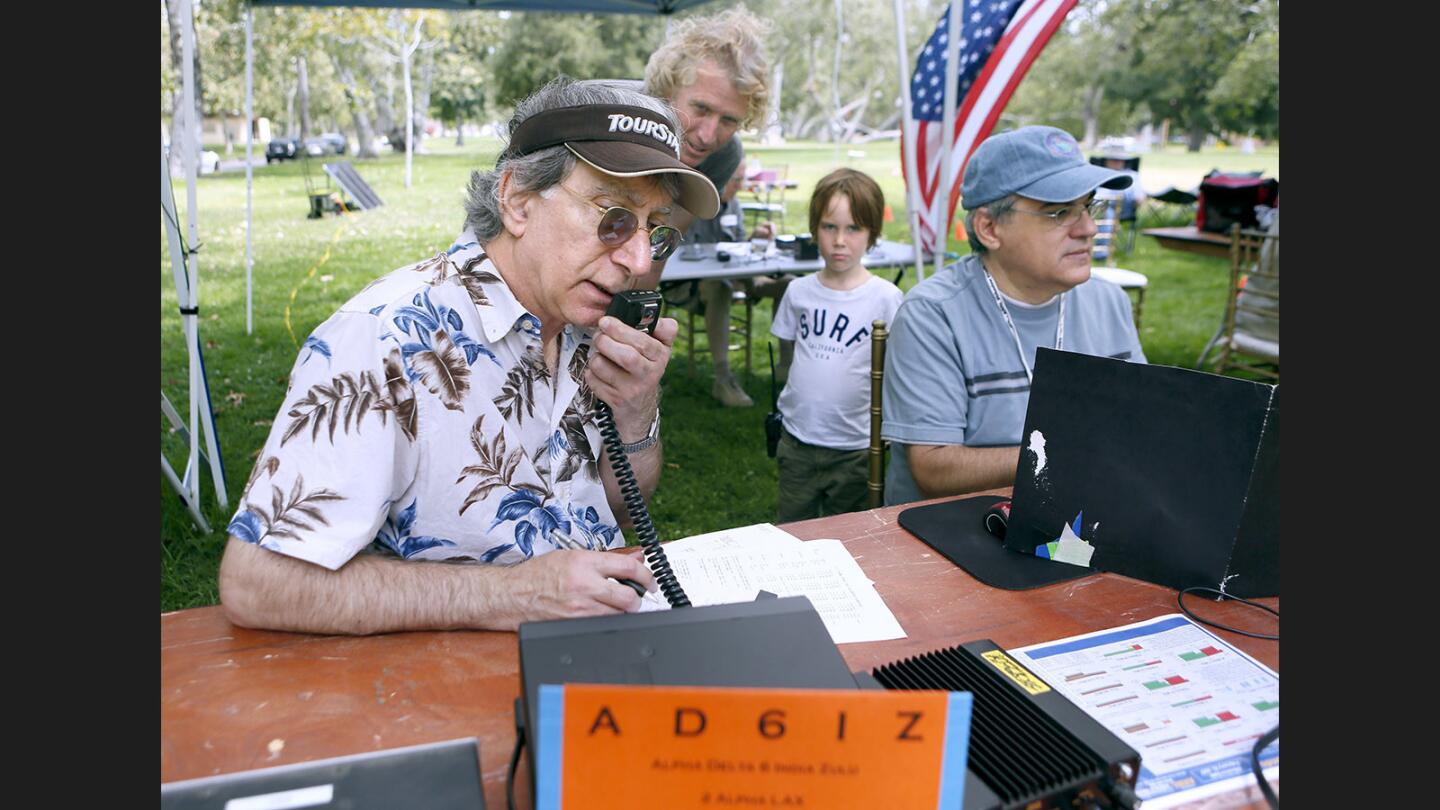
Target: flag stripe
(985,87)
(1014,63)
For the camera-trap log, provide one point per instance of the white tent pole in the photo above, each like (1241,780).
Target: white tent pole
(249,170)
(907,126)
(947,132)
(190,295)
(202,420)
(835,126)
(189,489)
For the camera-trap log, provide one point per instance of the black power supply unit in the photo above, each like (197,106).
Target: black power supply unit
(1029,744)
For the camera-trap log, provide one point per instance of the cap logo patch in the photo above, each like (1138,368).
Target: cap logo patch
(1060,144)
(619,122)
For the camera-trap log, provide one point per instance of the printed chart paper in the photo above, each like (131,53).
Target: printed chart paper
(1189,703)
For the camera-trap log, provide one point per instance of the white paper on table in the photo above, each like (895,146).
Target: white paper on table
(718,572)
(761,537)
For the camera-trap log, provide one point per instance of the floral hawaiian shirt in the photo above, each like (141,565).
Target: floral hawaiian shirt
(421,418)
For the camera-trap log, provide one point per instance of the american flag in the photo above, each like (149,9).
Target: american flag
(999,41)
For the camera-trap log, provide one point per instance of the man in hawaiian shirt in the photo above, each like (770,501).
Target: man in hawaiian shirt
(446,412)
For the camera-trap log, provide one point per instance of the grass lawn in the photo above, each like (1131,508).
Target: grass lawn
(717,474)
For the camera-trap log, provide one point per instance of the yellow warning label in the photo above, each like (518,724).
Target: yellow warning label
(1017,673)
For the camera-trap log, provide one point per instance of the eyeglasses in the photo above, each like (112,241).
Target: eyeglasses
(1070,214)
(618,224)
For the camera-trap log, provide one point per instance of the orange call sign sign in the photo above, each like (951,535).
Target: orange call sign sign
(605,746)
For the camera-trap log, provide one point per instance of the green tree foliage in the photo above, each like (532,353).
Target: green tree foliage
(1247,96)
(1180,51)
(803,38)
(462,74)
(1115,64)
(1071,83)
(536,47)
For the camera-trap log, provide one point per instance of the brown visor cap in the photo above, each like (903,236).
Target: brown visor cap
(622,141)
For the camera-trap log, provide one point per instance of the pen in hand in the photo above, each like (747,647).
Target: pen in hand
(566,541)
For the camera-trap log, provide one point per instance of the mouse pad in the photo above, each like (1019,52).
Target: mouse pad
(956,529)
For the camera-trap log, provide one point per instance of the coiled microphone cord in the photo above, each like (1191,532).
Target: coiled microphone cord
(639,514)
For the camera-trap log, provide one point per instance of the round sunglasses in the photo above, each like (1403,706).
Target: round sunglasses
(618,224)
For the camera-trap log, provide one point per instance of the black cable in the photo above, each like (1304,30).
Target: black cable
(774,397)
(1180,598)
(1260,745)
(639,515)
(514,763)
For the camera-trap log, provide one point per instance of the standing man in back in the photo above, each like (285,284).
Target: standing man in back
(715,72)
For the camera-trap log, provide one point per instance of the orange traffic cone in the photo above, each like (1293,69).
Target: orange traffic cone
(960,231)
(889,215)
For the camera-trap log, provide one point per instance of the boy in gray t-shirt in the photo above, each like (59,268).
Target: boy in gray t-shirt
(823,323)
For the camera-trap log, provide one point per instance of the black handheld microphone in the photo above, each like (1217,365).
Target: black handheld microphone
(639,309)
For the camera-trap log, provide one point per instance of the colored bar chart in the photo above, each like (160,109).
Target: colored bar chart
(1196,655)
(1173,680)
(1266,705)
(1215,720)
(1126,651)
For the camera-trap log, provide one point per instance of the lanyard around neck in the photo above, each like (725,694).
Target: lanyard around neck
(1014,333)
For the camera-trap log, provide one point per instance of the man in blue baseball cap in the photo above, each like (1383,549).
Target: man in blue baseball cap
(962,349)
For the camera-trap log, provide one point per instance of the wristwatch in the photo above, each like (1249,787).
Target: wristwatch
(649,440)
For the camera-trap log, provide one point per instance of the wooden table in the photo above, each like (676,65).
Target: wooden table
(1191,239)
(233,699)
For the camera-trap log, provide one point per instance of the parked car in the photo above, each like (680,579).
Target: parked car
(282,149)
(329,143)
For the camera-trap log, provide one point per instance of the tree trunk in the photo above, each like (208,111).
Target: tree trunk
(773,132)
(290,110)
(849,116)
(422,100)
(1090,111)
(302,84)
(460,131)
(409,117)
(178,117)
(363,133)
(1196,138)
(384,113)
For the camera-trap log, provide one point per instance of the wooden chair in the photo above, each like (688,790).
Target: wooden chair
(1250,337)
(742,312)
(878,336)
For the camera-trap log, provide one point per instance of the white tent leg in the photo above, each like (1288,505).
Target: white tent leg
(202,419)
(249,171)
(180,489)
(947,133)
